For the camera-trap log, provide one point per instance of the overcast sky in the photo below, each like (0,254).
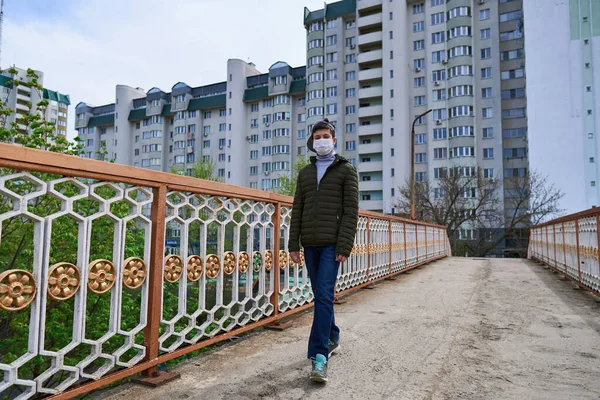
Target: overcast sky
(86,47)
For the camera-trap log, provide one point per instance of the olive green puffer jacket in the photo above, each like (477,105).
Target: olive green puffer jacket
(325,213)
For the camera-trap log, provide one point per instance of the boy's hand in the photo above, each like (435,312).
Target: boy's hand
(340,258)
(295,255)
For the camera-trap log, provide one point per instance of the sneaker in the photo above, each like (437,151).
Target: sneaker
(319,369)
(333,347)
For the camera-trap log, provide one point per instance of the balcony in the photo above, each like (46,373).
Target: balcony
(22,107)
(373,37)
(23,97)
(371,204)
(372,129)
(366,93)
(369,56)
(370,148)
(362,4)
(367,74)
(371,111)
(370,20)
(370,186)
(371,166)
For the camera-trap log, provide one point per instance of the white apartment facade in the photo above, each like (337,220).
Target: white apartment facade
(390,61)
(19,96)
(563,42)
(251,126)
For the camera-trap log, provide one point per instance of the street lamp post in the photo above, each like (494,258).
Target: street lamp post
(412,164)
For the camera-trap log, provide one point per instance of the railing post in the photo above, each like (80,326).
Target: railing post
(417,242)
(578,255)
(390,242)
(368,246)
(276,267)
(405,253)
(555,257)
(155,276)
(564,246)
(426,249)
(547,246)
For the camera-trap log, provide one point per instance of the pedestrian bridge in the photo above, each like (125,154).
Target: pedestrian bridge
(109,272)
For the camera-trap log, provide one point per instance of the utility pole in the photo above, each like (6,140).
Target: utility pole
(412,164)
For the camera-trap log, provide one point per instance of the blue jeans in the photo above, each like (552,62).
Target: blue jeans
(322,270)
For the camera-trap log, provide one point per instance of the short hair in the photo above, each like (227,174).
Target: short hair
(325,124)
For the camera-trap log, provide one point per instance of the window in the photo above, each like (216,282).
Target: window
(488,153)
(514,133)
(486,93)
(438,56)
(301,117)
(484,14)
(315,94)
(515,172)
(351,75)
(315,111)
(418,8)
(180,98)
(487,112)
(459,31)
(332,57)
(438,75)
(420,158)
(486,53)
(206,144)
(315,26)
(510,35)
(488,133)
(511,55)
(420,81)
(332,23)
(419,63)
(460,51)
(420,176)
(419,26)
(282,79)
(350,24)
(222,112)
(461,111)
(486,73)
(420,138)
(253,170)
(461,151)
(315,60)
(316,77)
(316,43)
(350,128)
(222,127)
(331,108)
(351,145)
(513,113)
(254,154)
(420,101)
(437,18)
(392,152)
(253,123)
(350,110)
(440,153)
(513,93)
(485,33)
(518,14)
(331,74)
(418,45)
(436,3)
(459,12)
(460,70)
(301,134)
(461,90)
(438,37)
(391,15)
(350,92)
(440,133)
(518,152)
(439,114)
(350,58)
(440,173)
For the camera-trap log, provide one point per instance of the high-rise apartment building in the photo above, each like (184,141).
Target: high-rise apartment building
(563,55)
(252,126)
(373,66)
(19,96)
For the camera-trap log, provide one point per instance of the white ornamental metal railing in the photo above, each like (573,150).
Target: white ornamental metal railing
(570,245)
(107,270)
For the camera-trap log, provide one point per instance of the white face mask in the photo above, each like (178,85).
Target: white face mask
(323,146)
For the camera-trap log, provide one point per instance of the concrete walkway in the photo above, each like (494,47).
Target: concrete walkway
(455,329)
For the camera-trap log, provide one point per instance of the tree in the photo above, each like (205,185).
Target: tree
(497,211)
(288,183)
(201,169)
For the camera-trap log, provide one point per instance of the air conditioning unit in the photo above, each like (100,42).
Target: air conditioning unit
(320,65)
(481,1)
(205,134)
(417,69)
(248,138)
(267,172)
(444,62)
(438,122)
(436,83)
(221,147)
(267,124)
(352,46)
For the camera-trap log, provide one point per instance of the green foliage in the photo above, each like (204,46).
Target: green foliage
(200,169)
(288,183)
